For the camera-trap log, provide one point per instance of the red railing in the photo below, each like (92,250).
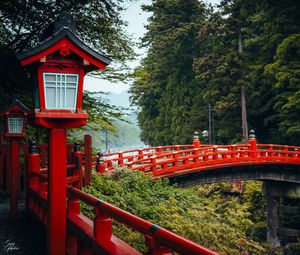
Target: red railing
(164,162)
(157,239)
(87,236)
(123,157)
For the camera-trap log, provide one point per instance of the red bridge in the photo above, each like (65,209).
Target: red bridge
(180,163)
(213,163)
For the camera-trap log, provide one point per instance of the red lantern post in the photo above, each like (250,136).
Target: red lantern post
(15,120)
(57,67)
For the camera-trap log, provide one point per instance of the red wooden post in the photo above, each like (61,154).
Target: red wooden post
(77,160)
(1,163)
(154,248)
(215,153)
(73,208)
(159,149)
(70,148)
(43,155)
(8,168)
(14,177)
(196,141)
(100,166)
(141,154)
(87,159)
(32,165)
(153,165)
(102,227)
(253,145)
(120,161)
(57,192)
(175,157)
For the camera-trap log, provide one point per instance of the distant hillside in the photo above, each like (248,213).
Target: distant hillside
(127,135)
(119,99)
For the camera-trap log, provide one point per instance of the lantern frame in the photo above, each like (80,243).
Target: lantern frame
(60,52)
(17,110)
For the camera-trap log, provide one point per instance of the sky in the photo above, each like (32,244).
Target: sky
(136,19)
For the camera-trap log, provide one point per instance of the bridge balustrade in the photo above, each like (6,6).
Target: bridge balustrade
(169,159)
(158,240)
(125,158)
(95,236)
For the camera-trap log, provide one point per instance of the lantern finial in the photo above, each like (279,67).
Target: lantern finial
(32,148)
(64,20)
(77,146)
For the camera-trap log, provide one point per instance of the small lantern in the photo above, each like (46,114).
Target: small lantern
(57,66)
(196,135)
(15,119)
(205,134)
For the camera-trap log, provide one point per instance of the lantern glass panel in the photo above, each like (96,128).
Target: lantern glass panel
(15,125)
(60,90)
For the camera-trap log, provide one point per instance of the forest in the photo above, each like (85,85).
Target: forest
(240,51)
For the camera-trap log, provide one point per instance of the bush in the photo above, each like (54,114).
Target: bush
(201,213)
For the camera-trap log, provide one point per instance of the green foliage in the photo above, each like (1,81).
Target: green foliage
(163,87)
(206,56)
(285,72)
(202,214)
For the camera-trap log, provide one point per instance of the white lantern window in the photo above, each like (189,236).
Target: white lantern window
(61,90)
(15,125)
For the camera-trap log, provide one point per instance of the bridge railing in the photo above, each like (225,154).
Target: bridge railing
(122,158)
(169,161)
(157,239)
(95,236)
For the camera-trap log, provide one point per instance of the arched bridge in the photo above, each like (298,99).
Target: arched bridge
(190,164)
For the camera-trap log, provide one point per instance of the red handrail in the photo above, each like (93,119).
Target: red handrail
(161,235)
(163,161)
(96,234)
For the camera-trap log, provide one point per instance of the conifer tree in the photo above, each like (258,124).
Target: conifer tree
(164,85)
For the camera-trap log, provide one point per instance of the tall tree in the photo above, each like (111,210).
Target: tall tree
(274,70)
(220,70)
(242,49)
(163,88)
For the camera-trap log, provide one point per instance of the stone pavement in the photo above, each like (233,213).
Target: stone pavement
(20,235)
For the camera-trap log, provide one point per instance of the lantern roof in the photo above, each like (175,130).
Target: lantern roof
(16,106)
(62,33)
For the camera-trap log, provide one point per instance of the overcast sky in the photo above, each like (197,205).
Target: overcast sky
(136,19)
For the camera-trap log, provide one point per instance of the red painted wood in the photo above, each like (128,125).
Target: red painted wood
(57,192)
(160,235)
(8,168)
(64,42)
(14,178)
(1,163)
(43,152)
(87,159)
(161,161)
(91,237)
(77,171)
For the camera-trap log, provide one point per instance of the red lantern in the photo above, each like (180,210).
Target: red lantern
(15,120)
(57,66)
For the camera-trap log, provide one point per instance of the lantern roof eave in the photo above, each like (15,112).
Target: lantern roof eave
(55,38)
(16,106)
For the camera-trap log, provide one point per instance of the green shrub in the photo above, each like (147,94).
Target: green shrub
(201,214)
